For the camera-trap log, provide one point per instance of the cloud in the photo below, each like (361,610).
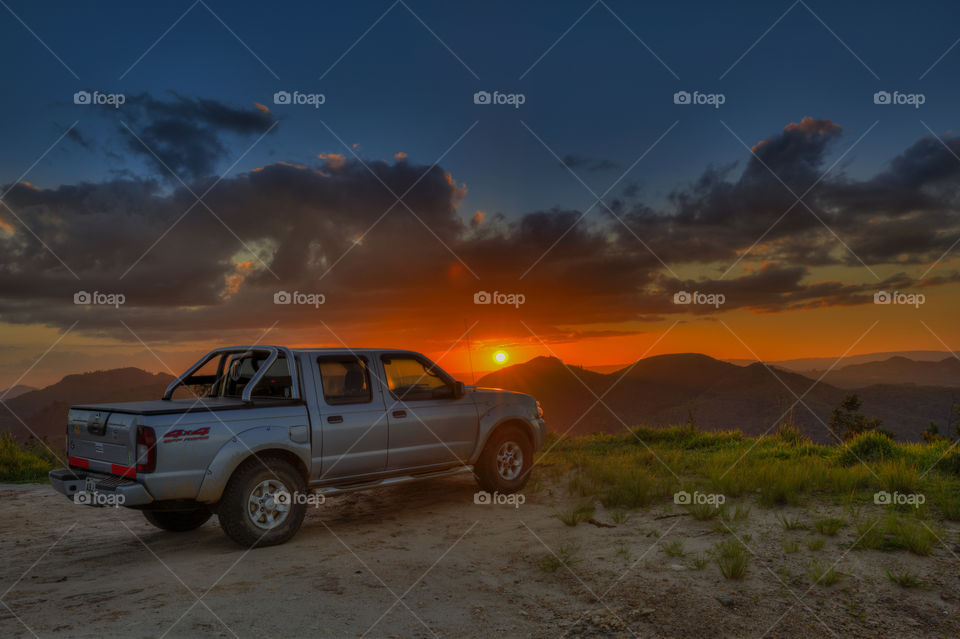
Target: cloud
(188,135)
(334,228)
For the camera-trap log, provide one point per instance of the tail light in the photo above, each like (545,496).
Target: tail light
(146,450)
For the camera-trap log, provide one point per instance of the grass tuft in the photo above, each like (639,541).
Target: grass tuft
(731,558)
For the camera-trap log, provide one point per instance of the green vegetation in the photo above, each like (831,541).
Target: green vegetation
(645,468)
(580,512)
(29,463)
(904,578)
(814,543)
(790,545)
(565,556)
(674,548)
(829,526)
(732,558)
(703,512)
(700,561)
(824,574)
(896,532)
(791,523)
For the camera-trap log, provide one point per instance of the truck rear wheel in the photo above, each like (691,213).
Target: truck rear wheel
(259,505)
(178,520)
(505,463)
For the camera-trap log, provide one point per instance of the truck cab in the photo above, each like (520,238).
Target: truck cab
(252,433)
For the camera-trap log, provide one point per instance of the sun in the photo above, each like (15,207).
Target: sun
(500,357)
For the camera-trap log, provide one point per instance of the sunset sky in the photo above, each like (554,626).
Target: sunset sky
(396,198)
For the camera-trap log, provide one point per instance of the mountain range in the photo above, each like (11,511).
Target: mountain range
(44,410)
(656,391)
(713,394)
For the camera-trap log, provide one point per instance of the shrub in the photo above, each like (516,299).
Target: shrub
(904,578)
(565,556)
(823,574)
(791,435)
(870,446)
(829,526)
(29,463)
(580,512)
(814,543)
(789,523)
(731,558)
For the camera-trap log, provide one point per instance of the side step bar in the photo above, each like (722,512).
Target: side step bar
(390,481)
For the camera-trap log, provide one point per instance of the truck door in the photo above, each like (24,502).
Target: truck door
(350,424)
(429,425)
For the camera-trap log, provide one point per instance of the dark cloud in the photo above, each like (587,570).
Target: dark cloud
(188,134)
(334,228)
(74,135)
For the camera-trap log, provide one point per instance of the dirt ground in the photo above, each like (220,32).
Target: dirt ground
(423,560)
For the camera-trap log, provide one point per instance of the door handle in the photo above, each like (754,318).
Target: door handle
(335,419)
(399,413)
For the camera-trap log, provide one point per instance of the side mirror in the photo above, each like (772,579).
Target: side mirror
(459,390)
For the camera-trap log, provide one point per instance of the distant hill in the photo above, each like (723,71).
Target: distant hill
(897,370)
(672,389)
(811,365)
(15,391)
(45,410)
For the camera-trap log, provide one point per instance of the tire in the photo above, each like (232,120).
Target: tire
(250,513)
(178,520)
(505,463)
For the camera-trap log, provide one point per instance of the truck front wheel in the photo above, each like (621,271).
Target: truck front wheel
(178,520)
(260,505)
(505,463)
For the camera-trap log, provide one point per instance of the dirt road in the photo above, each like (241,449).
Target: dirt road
(423,560)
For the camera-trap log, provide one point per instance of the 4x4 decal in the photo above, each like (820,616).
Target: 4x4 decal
(182,435)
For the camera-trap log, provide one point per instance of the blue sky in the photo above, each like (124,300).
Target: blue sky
(597,93)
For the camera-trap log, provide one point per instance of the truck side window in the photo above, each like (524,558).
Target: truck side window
(409,380)
(345,380)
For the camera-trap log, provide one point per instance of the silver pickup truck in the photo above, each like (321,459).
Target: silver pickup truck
(263,429)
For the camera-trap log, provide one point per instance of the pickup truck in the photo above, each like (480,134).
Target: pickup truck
(262,429)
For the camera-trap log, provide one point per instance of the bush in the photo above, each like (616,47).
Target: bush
(731,559)
(24,463)
(871,446)
(792,435)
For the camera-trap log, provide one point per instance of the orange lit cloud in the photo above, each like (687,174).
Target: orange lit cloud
(333,160)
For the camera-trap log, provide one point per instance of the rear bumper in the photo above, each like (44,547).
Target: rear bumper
(107,490)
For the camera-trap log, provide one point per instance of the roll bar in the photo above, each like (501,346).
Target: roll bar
(273,353)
